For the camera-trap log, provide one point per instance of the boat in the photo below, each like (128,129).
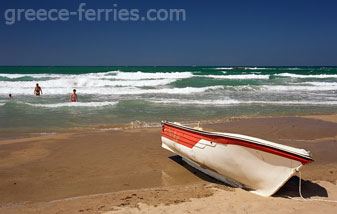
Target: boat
(257,165)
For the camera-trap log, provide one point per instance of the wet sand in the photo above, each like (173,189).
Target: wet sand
(116,170)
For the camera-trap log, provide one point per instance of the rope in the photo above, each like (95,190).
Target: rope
(307,199)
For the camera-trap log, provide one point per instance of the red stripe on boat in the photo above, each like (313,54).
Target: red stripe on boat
(189,138)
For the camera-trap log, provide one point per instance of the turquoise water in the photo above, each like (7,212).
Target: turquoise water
(119,95)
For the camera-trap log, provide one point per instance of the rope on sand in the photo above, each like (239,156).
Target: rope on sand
(307,199)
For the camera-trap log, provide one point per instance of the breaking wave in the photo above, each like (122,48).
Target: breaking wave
(111,90)
(233,102)
(74,104)
(299,88)
(319,76)
(147,76)
(238,77)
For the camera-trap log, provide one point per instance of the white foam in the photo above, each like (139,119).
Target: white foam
(319,76)
(295,102)
(234,102)
(299,88)
(197,102)
(109,90)
(115,75)
(332,84)
(239,77)
(15,76)
(292,68)
(187,90)
(65,86)
(74,104)
(255,68)
(87,82)
(245,68)
(91,83)
(148,76)
(224,68)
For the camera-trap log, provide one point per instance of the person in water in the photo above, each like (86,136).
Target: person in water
(73,96)
(9,96)
(37,90)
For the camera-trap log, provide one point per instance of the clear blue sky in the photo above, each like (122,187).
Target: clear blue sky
(236,32)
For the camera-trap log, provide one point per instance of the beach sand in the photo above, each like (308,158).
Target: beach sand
(127,171)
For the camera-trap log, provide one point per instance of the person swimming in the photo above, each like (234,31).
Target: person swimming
(73,96)
(37,90)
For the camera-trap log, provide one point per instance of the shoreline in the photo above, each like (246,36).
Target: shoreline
(107,164)
(134,125)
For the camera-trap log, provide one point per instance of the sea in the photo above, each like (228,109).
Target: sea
(148,95)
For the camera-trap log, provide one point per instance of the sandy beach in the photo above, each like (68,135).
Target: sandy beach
(127,171)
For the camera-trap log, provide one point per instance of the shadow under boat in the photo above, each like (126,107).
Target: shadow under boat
(309,189)
(289,189)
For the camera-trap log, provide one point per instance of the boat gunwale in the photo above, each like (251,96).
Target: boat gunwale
(221,134)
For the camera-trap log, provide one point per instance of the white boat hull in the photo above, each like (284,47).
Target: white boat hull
(261,172)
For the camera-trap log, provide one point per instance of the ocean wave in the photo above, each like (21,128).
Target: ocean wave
(186,90)
(255,68)
(223,68)
(238,77)
(74,104)
(95,82)
(332,84)
(319,76)
(85,82)
(294,102)
(37,76)
(299,88)
(222,102)
(234,102)
(148,76)
(292,68)
(197,102)
(108,75)
(243,68)
(110,90)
